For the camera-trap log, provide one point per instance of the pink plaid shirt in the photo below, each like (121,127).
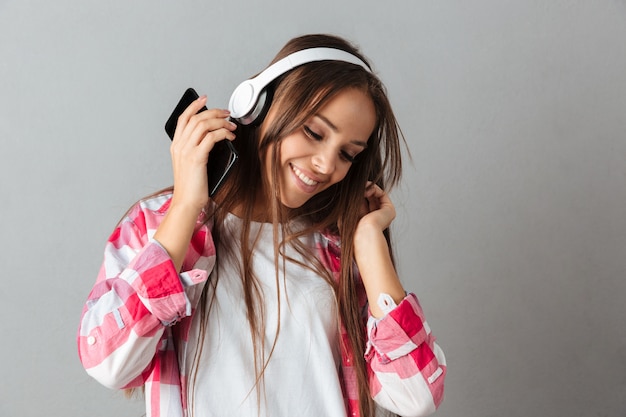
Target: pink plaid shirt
(135,324)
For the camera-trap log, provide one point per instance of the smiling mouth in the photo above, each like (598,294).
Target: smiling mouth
(308,181)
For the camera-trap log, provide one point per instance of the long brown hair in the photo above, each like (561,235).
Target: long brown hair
(297,96)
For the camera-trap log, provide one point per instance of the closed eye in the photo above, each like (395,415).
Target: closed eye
(346,156)
(312,134)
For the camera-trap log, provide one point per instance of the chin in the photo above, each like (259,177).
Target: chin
(293,199)
(293,204)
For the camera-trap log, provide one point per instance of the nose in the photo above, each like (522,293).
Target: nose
(324,161)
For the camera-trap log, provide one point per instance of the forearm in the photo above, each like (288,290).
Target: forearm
(375,266)
(175,232)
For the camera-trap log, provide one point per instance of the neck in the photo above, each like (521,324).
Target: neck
(262,209)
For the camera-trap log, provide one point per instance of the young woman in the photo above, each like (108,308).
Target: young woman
(278,295)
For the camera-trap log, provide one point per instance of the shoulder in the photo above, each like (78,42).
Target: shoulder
(148,212)
(156,204)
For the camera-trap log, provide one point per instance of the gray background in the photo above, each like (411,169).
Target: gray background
(511,224)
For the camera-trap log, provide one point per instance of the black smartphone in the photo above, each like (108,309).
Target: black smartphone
(222,157)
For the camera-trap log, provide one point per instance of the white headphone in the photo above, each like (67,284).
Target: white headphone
(249,98)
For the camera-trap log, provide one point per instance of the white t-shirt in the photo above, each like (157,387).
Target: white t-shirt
(301,378)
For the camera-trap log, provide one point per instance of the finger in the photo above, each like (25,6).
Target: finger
(192,109)
(190,117)
(373,190)
(210,139)
(200,131)
(369,200)
(209,114)
(373,203)
(196,150)
(212,128)
(377,198)
(201,118)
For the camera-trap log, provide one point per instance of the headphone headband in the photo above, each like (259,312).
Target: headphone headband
(247,101)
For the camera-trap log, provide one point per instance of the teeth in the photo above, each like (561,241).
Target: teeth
(304,178)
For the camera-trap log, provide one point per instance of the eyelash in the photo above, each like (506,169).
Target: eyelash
(317,137)
(312,134)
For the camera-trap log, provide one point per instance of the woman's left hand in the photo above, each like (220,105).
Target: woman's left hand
(377,209)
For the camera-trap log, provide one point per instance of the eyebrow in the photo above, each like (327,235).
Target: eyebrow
(336,129)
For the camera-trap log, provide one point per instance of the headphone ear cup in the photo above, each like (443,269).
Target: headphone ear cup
(259,111)
(263,105)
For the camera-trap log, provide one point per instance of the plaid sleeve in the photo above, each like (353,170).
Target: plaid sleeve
(137,294)
(407,367)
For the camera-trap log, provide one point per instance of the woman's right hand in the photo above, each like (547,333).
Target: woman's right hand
(195,135)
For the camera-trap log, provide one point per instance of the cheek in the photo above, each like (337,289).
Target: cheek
(340,173)
(294,146)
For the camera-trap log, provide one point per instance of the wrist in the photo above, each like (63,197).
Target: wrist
(368,235)
(185,209)
(365,231)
